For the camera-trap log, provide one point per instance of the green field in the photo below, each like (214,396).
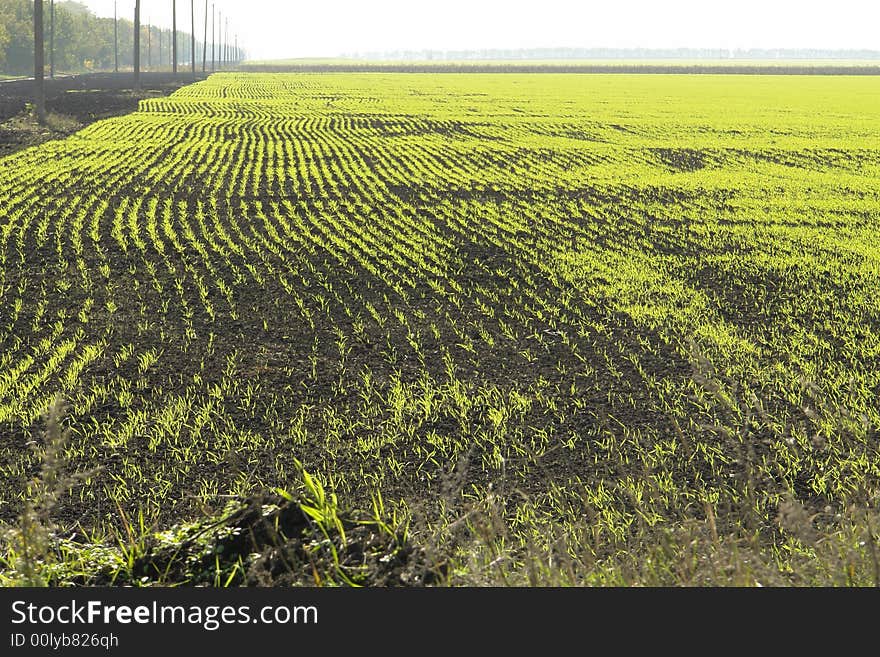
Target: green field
(487,329)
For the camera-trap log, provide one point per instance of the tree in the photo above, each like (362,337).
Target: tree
(137,45)
(75,40)
(17,24)
(4,40)
(39,63)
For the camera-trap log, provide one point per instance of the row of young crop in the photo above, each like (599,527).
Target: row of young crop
(384,276)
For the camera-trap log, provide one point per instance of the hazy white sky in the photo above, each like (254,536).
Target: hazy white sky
(284,28)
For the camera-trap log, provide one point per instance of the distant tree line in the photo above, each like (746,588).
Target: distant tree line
(85,42)
(615,53)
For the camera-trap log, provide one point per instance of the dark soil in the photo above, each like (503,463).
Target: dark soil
(74,102)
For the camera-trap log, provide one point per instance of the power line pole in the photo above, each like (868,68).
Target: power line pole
(174,36)
(192,36)
(137,45)
(205,42)
(220,47)
(149,46)
(52,39)
(213,38)
(115,39)
(39,63)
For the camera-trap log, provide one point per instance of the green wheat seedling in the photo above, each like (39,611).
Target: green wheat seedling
(639,312)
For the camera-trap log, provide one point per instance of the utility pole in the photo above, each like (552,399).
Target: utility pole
(149,46)
(52,39)
(220,47)
(39,63)
(174,36)
(236,50)
(205,42)
(159,32)
(192,36)
(226,42)
(213,38)
(137,45)
(115,39)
